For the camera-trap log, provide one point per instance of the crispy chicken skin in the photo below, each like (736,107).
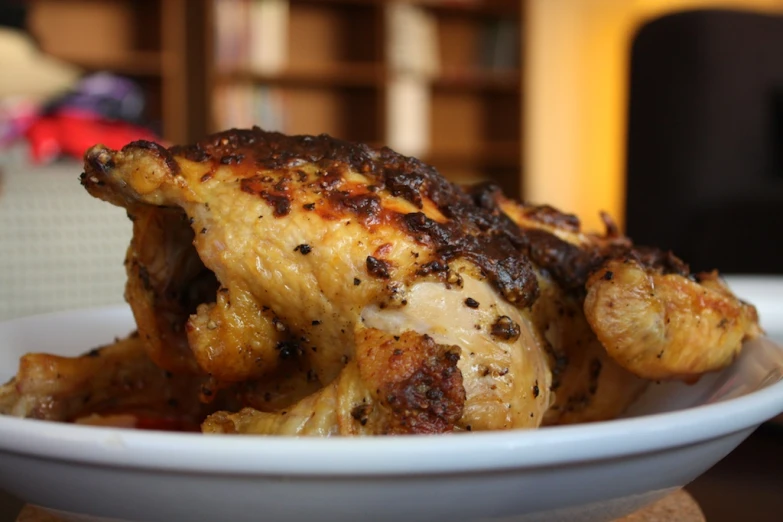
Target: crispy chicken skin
(314,242)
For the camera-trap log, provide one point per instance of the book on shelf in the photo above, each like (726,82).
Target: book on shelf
(231,30)
(413,59)
(500,45)
(251,35)
(231,106)
(244,105)
(411,44)
(269,108)
(408,114)
(268,36)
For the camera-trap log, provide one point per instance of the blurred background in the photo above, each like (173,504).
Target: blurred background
(667,114)
(532,94)
(556,101)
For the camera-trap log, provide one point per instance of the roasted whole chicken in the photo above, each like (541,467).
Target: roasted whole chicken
(303,285)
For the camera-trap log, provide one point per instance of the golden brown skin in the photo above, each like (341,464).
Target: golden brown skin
(308,238)
(664,326)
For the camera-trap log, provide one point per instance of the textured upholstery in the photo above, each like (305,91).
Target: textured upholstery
(60,248)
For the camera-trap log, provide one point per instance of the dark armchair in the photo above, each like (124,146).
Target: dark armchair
(705,139)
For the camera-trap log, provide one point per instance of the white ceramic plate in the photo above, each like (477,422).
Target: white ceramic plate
(766,294)
(587,472)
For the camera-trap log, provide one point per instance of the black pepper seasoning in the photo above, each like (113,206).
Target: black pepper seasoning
(303,249)
(378,267)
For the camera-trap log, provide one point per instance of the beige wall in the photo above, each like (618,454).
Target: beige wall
(576,59)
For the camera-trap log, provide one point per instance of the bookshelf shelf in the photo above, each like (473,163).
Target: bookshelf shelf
(336,75)
(472,7)
(360,3)
(133,63)
(489,155)
(478,80)
(369,75)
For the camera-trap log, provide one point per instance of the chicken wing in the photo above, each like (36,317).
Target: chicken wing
(652,316)
(663,326)
(115,379)
(166,282)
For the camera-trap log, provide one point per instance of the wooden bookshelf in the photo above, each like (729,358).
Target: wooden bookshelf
(438,79)
(481,8)
(338,73)
(477,80)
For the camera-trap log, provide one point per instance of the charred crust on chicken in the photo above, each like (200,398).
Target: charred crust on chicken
(158,150)
(551,216)
(421,383)
(569,264)
(486,238)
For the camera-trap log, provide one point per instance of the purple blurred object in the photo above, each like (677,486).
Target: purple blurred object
(16,116)
(104,95)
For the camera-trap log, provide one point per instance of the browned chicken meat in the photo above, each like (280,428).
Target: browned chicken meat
(358,269)
(313,286)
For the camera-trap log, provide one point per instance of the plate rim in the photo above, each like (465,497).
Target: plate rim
(373,456)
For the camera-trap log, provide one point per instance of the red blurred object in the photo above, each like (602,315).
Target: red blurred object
(161,423)
(71,133)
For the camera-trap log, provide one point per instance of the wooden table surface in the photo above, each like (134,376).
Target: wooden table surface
(678,506)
